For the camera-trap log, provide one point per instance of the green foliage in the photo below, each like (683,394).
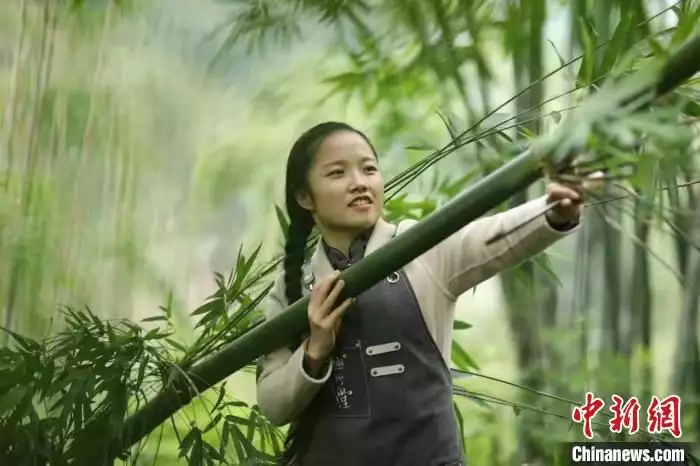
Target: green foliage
(58,392)
(92,370)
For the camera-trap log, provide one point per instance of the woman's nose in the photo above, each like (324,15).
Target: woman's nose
(358,183)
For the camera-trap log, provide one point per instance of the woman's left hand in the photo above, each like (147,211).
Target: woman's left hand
(568,211)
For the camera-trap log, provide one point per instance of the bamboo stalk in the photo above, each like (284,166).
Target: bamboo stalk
(12,100)
(74,248)
(7,132)
(477,200)
(18,266)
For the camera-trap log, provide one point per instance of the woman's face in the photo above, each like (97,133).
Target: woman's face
(346,187)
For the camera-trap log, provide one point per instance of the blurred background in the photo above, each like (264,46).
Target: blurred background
(143,144)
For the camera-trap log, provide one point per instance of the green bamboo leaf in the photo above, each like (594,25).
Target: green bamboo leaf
(235,404)
(586,71)
(272,434)
(686,24)
(10,400)
(662,131)
(461,391)
(187,442)
(248,450)
(617,45)
(57,386)
(246,267)
(460,419)
(69,400)
(656,47)
(142,371)
(213,454)
(176,345)
(220,397)
(282,220)
(219,279)
(26,343)
(234,436)
(452,123)
(111,335)
(421,147)
(196,453)
(225,436)
(461,358)
(95,320)
(156,334)
(47,375)
(562,62)
(78,417)
(238,420)
(460,325)
(543,263)
(207,307)
(168,307)
(155,319)
(213,423)
(252,424)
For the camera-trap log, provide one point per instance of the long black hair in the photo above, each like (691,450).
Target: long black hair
(301,223)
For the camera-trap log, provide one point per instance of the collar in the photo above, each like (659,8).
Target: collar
(340,261)
(378,235)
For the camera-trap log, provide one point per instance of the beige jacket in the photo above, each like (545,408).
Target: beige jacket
(438,278)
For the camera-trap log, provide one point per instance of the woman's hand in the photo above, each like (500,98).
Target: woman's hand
(324,321)
(570,198)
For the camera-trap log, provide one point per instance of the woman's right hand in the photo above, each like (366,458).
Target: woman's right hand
(324,321)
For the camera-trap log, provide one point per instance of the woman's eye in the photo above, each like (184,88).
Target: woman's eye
(335,173)
(371,169)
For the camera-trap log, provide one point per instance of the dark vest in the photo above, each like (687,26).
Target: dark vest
(389,399)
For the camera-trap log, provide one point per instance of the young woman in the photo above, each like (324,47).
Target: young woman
(377,390)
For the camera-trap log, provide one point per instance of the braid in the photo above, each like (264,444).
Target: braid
(300,227)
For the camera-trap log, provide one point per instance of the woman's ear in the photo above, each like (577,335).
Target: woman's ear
(305,201)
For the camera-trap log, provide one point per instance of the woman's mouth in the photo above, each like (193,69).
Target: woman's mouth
(361,203)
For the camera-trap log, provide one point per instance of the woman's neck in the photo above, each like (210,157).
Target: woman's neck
(341,240)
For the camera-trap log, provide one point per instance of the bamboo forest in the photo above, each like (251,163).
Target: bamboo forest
(143,146)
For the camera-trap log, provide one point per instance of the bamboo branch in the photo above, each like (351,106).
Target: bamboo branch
(474,202)
(552,205)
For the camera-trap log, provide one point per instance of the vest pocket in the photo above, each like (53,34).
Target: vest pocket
(346,393)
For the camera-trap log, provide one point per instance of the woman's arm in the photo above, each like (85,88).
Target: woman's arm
(464,259)
(284,384)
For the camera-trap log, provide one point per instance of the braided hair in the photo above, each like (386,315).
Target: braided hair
(301,223)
